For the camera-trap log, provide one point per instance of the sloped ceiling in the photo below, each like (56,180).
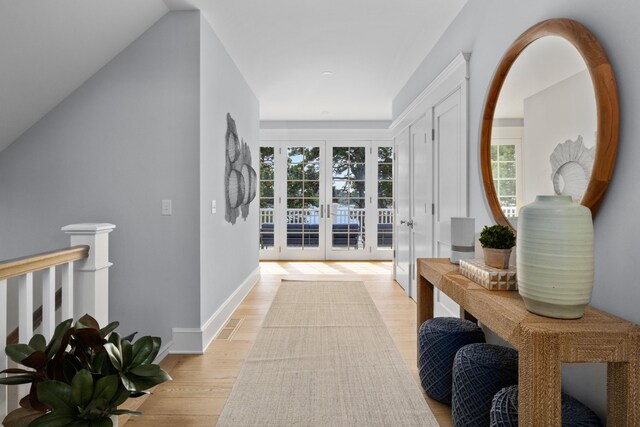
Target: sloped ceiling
(283,46)
(48,48)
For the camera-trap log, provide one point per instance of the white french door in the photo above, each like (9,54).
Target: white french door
(326,200)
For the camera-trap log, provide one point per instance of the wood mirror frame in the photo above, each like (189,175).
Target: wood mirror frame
(606,94)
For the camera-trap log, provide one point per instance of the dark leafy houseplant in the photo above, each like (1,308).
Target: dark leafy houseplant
(497,237)
(82,375)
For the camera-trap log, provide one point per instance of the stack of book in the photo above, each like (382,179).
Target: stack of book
(494,279)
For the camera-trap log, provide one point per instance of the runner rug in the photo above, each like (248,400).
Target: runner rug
(324,357)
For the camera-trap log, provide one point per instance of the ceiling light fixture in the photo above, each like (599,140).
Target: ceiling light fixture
(327,73)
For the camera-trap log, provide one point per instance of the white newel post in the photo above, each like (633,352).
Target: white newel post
(91,281)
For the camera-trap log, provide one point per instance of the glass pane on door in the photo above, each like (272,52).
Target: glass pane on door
(267,168)
(303,198)
(348,198)
(385,198)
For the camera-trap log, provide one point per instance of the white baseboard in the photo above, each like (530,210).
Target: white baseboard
(196,340)
(164,351)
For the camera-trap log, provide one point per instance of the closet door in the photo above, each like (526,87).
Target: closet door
(422,194)
(403,263)
(450,184)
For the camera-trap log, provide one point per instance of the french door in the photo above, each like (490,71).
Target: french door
(326,200)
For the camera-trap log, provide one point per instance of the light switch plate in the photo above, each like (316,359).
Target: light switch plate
(213,207)
(166,207)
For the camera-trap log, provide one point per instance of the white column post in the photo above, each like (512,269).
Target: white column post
(91,287)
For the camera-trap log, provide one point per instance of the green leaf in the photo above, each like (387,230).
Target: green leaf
(38,342)
(89,322)
(96,408)
(106,387)
(127,383)
(157,342)
(145,383)
(57,418)
(121,395)
(114,355)
(108,329)
(82,388)
(115,339)
(55,394)
(146,370)
(56,340)
(18,379)
(127,353)
(141,351)
(18,352)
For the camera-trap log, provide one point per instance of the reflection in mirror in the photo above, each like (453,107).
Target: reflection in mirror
(544,127)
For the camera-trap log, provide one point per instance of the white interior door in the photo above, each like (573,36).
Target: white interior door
(404,251)
(422,194)
(450,183)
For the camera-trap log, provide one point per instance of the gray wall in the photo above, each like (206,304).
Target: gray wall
(110,152)
(486,28)
(228,253)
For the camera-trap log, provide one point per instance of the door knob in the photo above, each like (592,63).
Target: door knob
(408,223)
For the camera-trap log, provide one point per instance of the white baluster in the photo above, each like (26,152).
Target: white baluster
(48,302)
(66,310)
(25,317)
(25,307)
(3,343)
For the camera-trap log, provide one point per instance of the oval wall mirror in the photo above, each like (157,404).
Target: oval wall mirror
(550,123)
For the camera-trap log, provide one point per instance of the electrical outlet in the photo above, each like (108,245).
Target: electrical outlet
(166,207)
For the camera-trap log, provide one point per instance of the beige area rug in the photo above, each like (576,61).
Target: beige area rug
(324,357)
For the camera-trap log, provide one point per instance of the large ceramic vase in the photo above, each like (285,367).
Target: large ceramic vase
(554,252)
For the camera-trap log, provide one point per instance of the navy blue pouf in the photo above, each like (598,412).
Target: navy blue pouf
(504,410)
(438,341)
(479,372)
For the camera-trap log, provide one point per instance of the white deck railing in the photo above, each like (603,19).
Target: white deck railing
(82,288)
(339,216)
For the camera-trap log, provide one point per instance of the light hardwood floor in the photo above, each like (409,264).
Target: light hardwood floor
(202,383)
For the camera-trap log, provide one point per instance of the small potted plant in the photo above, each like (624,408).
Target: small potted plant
(82,375)
(497,242)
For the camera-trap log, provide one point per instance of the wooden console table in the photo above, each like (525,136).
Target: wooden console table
(544,344)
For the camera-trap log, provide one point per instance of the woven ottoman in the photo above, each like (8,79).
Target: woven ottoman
(504,410)
(438,341)
(479,372)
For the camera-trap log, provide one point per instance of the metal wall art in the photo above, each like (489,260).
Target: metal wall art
(571,163)
(241,180)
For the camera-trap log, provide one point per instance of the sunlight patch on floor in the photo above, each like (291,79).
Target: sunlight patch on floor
(366,267)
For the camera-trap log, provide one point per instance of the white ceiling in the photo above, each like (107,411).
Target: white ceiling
(545,62)
(283,46)
(48,48)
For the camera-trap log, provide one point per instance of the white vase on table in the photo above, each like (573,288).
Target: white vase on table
(555,257)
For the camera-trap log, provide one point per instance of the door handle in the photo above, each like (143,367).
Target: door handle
(328,210)
(408,223)
(321,211)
